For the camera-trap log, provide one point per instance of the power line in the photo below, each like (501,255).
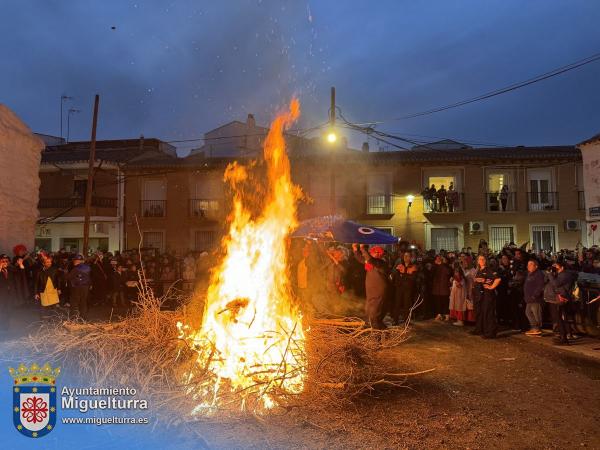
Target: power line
(509,88)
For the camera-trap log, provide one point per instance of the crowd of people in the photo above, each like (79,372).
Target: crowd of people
(513,289)
(66,281)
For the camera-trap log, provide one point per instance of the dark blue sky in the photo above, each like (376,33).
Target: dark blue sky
(174,69)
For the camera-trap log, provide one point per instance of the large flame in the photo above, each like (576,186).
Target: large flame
(253,330)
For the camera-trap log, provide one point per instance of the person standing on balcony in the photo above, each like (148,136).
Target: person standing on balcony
(376,283)
(433,197)
(453,198)
(504,196)
(442,196)
(427,198)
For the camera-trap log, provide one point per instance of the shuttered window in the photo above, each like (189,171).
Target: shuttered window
(444,239)
(500,236)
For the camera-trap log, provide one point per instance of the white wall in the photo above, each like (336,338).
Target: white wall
(20,154)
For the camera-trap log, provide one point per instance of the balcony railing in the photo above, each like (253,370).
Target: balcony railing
(153,208)
(581,200)
(542,201)
(501,202)
(204,208)
(380,204)
(453,202)
(76,202)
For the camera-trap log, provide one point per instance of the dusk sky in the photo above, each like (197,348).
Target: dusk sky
(176,69)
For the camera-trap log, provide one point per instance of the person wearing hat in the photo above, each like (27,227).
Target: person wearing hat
(376,283)
(80,280)
(47,286)
(7,292)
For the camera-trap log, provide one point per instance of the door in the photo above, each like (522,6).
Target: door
(444,239)
(541,195)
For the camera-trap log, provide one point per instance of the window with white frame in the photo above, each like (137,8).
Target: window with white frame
(500,236)
(543,237)
(153,239)
(444,239)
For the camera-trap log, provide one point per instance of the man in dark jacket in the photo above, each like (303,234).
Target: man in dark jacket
(7,292)
(80,280)
(376,283)
(561,285)
(533,294)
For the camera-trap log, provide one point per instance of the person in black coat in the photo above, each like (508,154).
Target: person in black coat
(561,286)
(7,292)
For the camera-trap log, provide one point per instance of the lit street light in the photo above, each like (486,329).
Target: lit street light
(331,137)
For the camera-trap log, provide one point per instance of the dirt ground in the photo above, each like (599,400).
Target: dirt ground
(508,393)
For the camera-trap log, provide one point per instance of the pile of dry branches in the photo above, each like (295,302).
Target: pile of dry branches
(143,350)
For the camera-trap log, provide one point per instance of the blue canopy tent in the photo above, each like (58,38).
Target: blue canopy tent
(336,229)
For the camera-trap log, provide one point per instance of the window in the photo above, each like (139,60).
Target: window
(205,240)
(153,239)
(43,244)
(543,237)
(541,195)
(379,200)
(500,236)
(80,188)
(444,239)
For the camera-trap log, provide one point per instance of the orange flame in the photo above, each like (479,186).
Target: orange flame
(249,320)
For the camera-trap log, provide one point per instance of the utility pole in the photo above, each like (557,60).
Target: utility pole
(333,152)
(90,180)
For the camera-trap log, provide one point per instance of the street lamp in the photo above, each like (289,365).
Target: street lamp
(410,199)
(331,137)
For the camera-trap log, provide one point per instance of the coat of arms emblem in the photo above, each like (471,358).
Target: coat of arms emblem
(34,399)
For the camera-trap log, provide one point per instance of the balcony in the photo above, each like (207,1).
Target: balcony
(203,208)
(498,202)
(76,202)
(455,202)
(542,201)
(153,208)
(380,205)
(581,200)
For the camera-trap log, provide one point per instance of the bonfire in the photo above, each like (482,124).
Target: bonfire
(251,338)
(243,345)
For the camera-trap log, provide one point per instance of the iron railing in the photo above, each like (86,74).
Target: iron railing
(76,202)
(204,208)
(542,201)
(153,208)
(500,202)
(450,203)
